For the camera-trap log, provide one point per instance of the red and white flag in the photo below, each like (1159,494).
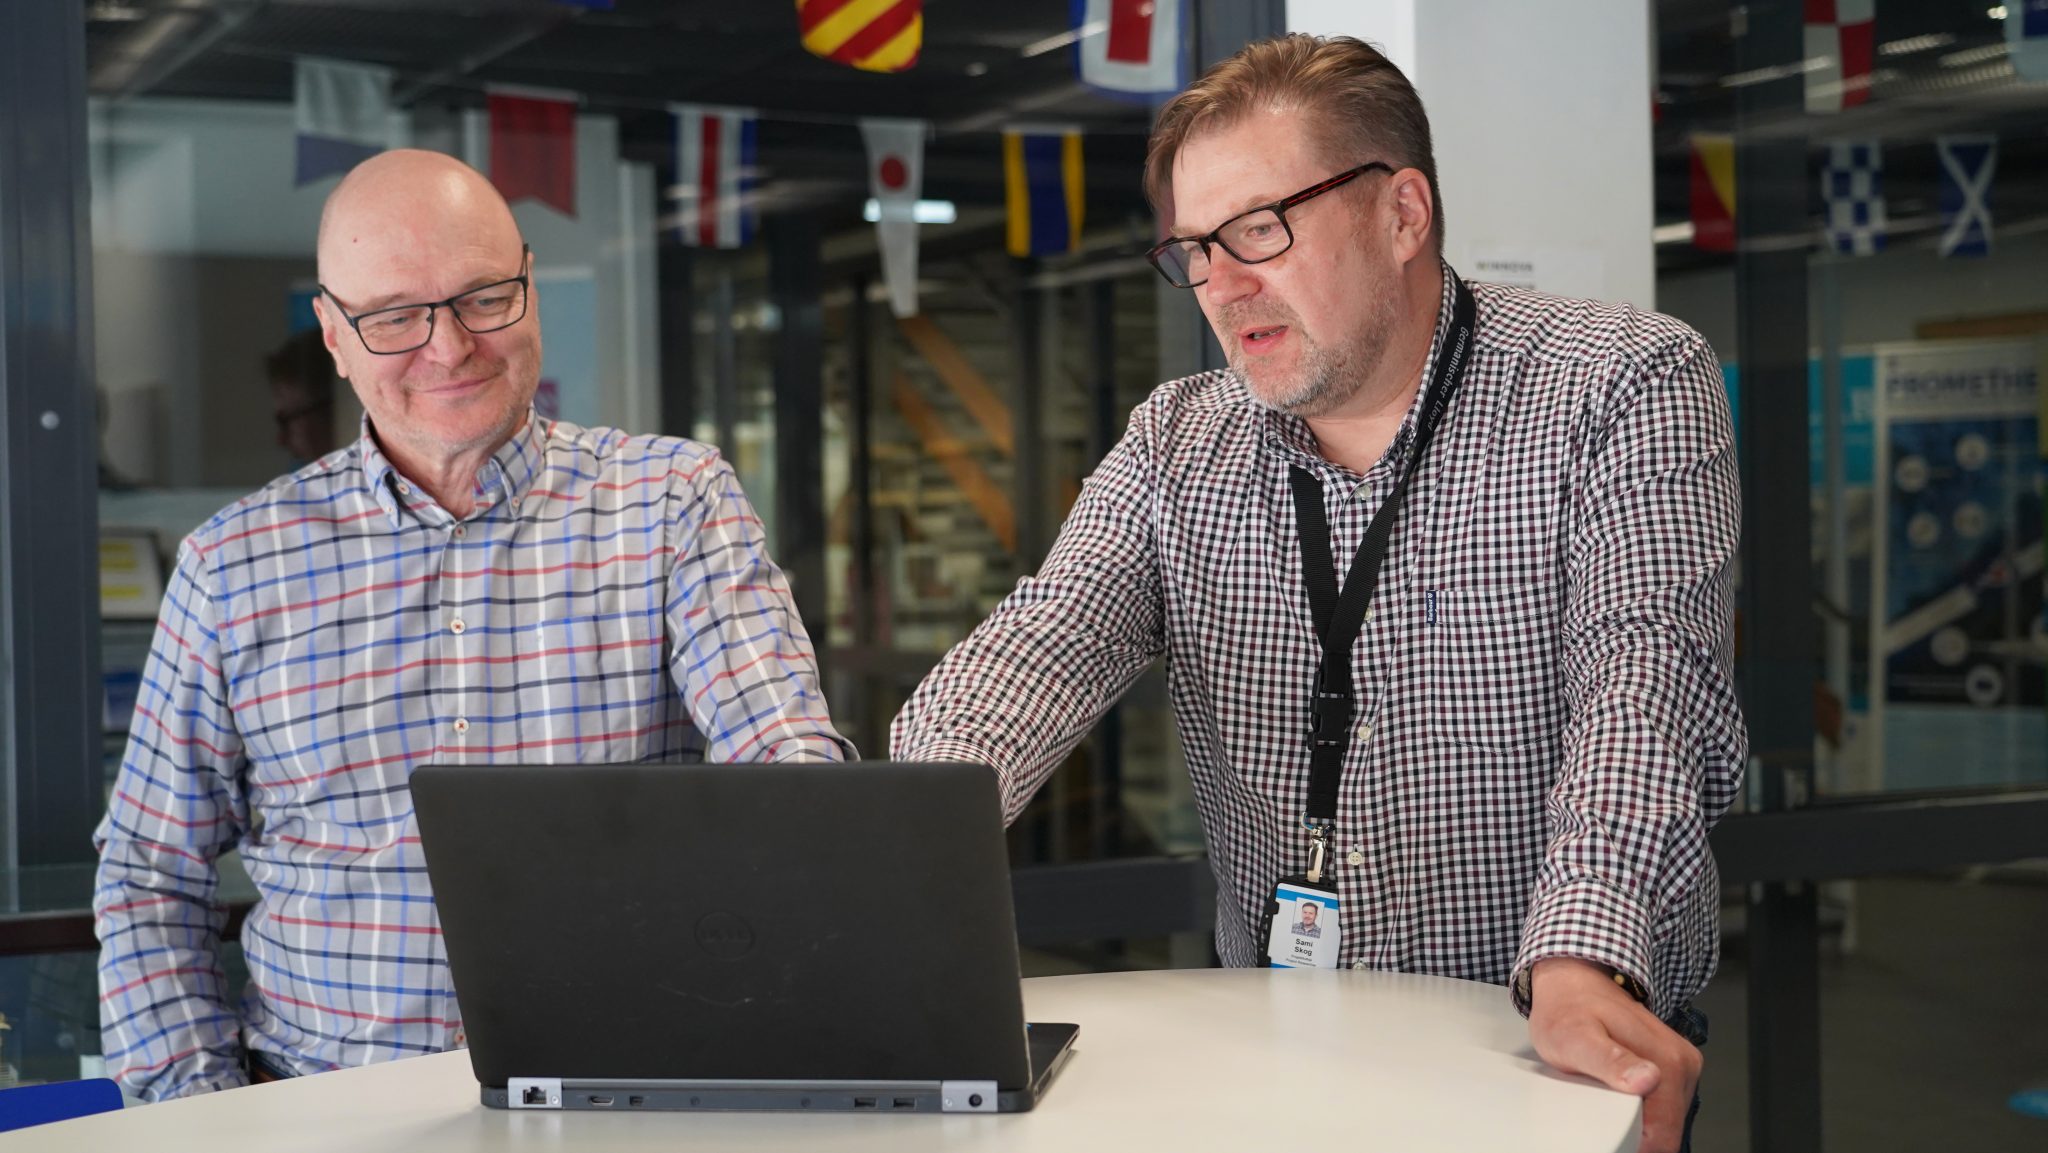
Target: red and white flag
(715,175)
(533,147)
(1132,46)
(1841,43)
(896,180)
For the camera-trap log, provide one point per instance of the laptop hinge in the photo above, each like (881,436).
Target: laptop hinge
(967,1096)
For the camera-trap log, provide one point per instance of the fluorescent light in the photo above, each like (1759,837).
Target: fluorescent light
(1679,233)
(924,212)
(1912,44)
(1050,43)
(1969,56)
(1997,13)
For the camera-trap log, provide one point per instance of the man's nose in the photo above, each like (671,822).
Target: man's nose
(450,343)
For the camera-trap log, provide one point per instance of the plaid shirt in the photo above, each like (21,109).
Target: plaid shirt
(609,600)
(1546,720)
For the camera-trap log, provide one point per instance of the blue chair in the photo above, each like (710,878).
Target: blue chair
(29,1105)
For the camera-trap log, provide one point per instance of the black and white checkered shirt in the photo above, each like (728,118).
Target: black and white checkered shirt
(1547,724)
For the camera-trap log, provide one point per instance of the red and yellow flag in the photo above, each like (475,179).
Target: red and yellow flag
(872,35)
(1713,192)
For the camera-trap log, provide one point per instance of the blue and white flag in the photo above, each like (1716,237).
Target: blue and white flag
(2026,37)
(1852,185)
(715,175)
(343,115)
(1967,165)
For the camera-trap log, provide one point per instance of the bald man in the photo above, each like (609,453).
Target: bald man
(467,582)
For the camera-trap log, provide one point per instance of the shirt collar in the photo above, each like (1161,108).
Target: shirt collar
(1291,433)
(504,478)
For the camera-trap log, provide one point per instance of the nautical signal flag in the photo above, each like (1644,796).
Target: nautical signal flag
(1968,163)
(715,175)
(533,147)
(341,112)
(1841,44)
(1042,181)
(1133,47)
(871,35)
(896,180)
(1713,192)
(1852,187)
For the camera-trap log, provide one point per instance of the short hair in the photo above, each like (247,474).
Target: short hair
(1359,108)
(304,359)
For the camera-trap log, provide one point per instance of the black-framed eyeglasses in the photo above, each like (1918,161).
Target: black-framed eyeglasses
(405,327)
(1251,237)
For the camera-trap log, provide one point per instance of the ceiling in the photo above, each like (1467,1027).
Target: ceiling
(985,64)
(636,57)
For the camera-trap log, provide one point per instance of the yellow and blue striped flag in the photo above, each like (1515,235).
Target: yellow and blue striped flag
(1042,172)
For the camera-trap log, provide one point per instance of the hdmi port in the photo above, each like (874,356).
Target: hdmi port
(601,1101)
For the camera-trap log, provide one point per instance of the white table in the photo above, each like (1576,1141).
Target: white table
(1233,1060)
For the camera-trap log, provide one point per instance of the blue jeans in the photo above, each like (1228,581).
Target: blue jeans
(1690,1024)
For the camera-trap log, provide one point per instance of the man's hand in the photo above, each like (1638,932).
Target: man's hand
(1582,1022)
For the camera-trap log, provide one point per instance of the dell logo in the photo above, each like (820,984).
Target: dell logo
(725,936)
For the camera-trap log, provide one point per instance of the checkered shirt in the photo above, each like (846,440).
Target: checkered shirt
(1547,725)
(610,599)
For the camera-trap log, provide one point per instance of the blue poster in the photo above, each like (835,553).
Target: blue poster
(1957,665)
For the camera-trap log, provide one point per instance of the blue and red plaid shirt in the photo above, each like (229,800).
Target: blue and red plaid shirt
(610,599)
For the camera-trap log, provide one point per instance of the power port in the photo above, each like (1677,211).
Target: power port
(635,1102)
(863,1102)
(534,1095)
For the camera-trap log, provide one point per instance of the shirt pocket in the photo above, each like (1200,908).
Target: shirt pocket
(1492,666)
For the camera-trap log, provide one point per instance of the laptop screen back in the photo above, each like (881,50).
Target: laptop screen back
(746,922)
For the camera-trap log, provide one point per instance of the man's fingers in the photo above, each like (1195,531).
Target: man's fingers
(1590,1050)
(1664,1117)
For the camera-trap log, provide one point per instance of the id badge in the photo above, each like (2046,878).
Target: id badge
(1305,932)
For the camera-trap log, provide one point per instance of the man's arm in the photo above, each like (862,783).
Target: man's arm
(738,652)
(177,804)
(1022,690)
(1653,748)
(1654,745)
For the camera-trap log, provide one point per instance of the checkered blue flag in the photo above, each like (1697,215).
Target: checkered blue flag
(1852,184)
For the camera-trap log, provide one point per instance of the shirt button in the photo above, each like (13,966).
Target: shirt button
(1358,964)
(456,626)
(1365,732)
(1356,858)
(405,488)
(460,532)
(461,724)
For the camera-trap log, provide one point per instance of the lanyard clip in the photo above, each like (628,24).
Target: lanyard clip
(1318,848)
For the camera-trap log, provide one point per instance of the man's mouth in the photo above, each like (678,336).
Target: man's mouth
(1253,338)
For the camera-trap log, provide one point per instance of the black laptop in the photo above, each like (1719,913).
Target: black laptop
(800,937)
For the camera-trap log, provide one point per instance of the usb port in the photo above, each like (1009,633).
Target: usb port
(863,1102)
(906,1102)
(601,1101)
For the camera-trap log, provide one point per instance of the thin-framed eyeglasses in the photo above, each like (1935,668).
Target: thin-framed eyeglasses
(1251,237)
(406,327)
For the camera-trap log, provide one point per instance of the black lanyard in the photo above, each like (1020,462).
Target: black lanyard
(1340,616)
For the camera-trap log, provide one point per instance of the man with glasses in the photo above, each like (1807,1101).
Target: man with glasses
(467,582)
(1441,573)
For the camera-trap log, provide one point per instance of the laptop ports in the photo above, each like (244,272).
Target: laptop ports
(601,1102)
(906,1102)
(863,1102)
(534,1095)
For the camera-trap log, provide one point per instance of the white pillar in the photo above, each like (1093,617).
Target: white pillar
(1541,119)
